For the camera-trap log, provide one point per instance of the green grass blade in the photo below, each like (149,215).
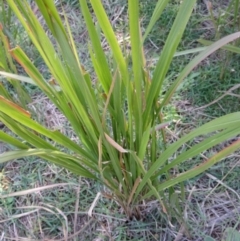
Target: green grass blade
(204,54)
(110,36)
(18,77)
(227,47)
(12,141)
(63,159)
(48,9)
(201,168)
(155,16)
(202,146)
(137,62)
(144,143)
(217,124)
(7,64)
(31,137)
(167,54)
(231,234)
(101,65)
(22,117)
(69,96)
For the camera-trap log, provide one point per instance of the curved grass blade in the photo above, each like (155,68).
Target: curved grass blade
(227,47)
(167,54)
(59,158)
(217,124)
(198,169)
(12,141)
(204,54)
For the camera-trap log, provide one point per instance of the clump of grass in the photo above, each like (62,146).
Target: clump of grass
(103,220)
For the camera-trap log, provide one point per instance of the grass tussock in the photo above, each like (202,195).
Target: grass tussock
(40,201)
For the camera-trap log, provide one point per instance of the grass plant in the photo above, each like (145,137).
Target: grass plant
(10,89)
(119,127)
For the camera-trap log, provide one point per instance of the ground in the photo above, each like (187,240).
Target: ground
(40,201)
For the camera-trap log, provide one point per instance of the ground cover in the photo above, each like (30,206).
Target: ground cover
(212,198)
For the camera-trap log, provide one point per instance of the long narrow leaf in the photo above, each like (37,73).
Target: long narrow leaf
(228,47)
(137,60)
(198,169)
(155,16)
(217,124)
(204,54)
(48,154)
(12,141)
(110,36)
(101,66)
(167,54)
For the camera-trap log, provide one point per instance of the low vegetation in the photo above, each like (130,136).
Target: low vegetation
(120,113)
